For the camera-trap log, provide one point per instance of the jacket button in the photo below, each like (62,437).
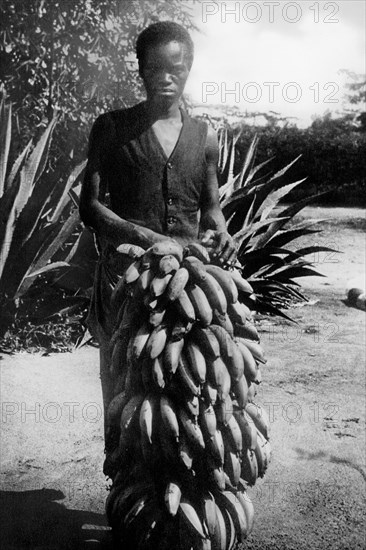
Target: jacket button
(169,165)
(171,220)
(170,201)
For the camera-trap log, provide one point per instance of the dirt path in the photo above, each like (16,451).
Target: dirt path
(52,488)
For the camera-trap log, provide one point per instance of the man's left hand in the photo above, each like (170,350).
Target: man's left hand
(220,245)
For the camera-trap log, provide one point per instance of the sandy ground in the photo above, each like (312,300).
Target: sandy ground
(52,487)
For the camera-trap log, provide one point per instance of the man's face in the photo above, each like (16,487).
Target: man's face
(165,71)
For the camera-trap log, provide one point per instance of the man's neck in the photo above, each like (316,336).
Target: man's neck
(159,110)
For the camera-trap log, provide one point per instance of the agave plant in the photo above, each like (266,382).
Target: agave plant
(35,220)
(262,229)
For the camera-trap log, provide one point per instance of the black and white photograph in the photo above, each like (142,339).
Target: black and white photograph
(182,274)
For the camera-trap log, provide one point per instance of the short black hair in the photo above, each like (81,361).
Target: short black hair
(162,33)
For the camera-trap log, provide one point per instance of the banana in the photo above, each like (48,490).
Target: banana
(130,410)
(147,413)
(227,500)
(201,306)
(158,373)
(259,417)
(255,349)
(136,509)
(252,392)
(168,248)
(127,497)
(190,517)
(171,355)
(225,281)
(159,285)
(131,250)
(233,432)
(139,342)
(220,540)
(241,283)
(258,378)
(235,363)
(207,342)
(248,508)
(219,377)
(168,264)
(191,429)
(223,321)
(249,467)
(192,404)
(261,453)
(207,419)
(209,512)
(186,377)
(232,466)
(240,390)
(224,410)
(156,342)
(172,497)
(250,366)
(214,293)
(209,393)
(112,495)
(215,448)
(185,452)
(156,317)
(132,273)
(180,329)
(195,267)
(143,284)
(246,331)
(115,408)
(237,313)
(168,417)
(247,428)
(118,359)
(199,251)
(224,340)
(185,307)
(216,474)
(196,362)
(230,529)
(177,284)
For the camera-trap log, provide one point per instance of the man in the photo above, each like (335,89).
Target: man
(151,175)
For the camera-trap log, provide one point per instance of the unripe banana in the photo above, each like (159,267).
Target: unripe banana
(209,510)
(156,317)
(201,306)
(143,284)
(230,529)
(224,410)
(224,340)
(190,516)
(147,412)
(223,321)
(158,373)
(250,366)
(172,497)
(199,251)
(191,429)
(207,420)
(139,342)
(185,452)
(233,432)
(247,428)
(177,284)
(249,467)
(252,392)
(225,281)
(168,248)
(255,349)
(196,268)
(188,383)
(215,447)
(219,377)
(246,331)
(168,417)
(235,364)
(232,465)
(228,500)
(132,273)
(240,390)
(196,362)
(216,474)
(130,410)
(209,393)
(168,264)
(248,508)
(220,538)
(241,283)
(171,356)
(131,250)
(191,403)
(237,313)
(261,455)
(259,417)
(207,342)
(115,408)
(180,329)
(159,285)
(156,341)
(185,307)
(214,293)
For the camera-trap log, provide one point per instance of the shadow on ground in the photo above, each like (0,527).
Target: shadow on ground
(36,520)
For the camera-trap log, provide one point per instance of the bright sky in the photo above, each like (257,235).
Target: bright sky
(277,55)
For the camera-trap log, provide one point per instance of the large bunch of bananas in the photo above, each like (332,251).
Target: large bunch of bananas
(184,437)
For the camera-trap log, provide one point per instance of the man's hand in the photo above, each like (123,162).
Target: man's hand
(220,245)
